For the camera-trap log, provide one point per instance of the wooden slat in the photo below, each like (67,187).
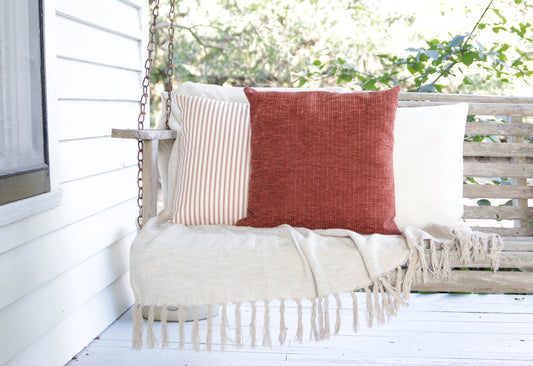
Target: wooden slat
(482,281)
(469,98)
(498,128)
(497,149)
(508,260)
(523,244)
(489,109)
(149,134)
(498,212)
(496,191)
(505,231)
(498,170)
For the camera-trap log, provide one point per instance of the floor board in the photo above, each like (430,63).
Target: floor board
(436,329)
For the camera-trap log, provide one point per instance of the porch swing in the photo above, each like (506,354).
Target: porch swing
(212,245)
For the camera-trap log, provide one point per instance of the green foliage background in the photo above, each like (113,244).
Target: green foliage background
(483,47)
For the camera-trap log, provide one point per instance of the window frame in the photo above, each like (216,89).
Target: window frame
(32,181)
(24,209)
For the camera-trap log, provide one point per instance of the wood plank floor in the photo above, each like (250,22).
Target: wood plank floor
(436,329)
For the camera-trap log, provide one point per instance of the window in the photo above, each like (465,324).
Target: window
(24,168)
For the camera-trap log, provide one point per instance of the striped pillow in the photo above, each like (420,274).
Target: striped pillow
(214,162)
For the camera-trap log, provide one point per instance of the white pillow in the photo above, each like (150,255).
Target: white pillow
(428,165)
(213,162)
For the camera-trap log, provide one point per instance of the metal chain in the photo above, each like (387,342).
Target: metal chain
(170,65)
(142,114)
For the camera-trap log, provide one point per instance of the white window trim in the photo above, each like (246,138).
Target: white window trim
(18,210)
(24,208)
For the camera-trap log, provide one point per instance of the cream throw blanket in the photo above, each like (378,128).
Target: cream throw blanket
(175,265)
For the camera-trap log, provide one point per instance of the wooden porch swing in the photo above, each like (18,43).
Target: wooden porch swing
(508,161)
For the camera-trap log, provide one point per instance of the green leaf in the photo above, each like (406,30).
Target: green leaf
(500,15)
(468,58)
(317,63)
(483,202)
(457,41)
(508,203)
(434,54)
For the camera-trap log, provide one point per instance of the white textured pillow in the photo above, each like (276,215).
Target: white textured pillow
(213,163)
(428,165)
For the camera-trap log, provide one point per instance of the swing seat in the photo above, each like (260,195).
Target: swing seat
(188,266)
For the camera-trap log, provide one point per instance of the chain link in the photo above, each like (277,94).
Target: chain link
(142,113)
(170,65)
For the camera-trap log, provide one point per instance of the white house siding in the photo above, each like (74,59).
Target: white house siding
(64,273)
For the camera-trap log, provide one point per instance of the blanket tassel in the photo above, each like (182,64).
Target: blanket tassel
(314,330)
(195,330)
(282,327)
(339,310)
(369,308)
(300,329)
(327,331)
(209,337)
(164,327)
(321,330)
(150,336)
(181,319)
(223,328)
(137,327)
(238,326)
(252,324)
(267,340)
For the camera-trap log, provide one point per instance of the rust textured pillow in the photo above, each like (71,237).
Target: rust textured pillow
(322,160)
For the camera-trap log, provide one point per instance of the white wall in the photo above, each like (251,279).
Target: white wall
(64,273)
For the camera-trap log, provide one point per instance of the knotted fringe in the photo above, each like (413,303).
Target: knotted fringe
(150,336)
(209,337)
(282,327)
(238,326)
(300,329)
(137,335)
(195,330)
(223,326)
(164,329)
(355,314)
(314,329)
(252,324)
(384,296)
(339,310)
(267,340)
(181,320)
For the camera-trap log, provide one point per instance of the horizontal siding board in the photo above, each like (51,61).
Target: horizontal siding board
(86,81)
(498,170)
(54,253)
(57,346)
(37,313)
(497,149)
(113,14)
(81,41)
(81,198)
(84,158)
(83,119)
(497,191)
(495,128)
(498,212)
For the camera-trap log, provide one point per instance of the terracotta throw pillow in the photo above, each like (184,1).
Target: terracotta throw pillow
(322,160)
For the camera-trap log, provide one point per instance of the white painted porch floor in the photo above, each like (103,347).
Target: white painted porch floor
(436,329)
